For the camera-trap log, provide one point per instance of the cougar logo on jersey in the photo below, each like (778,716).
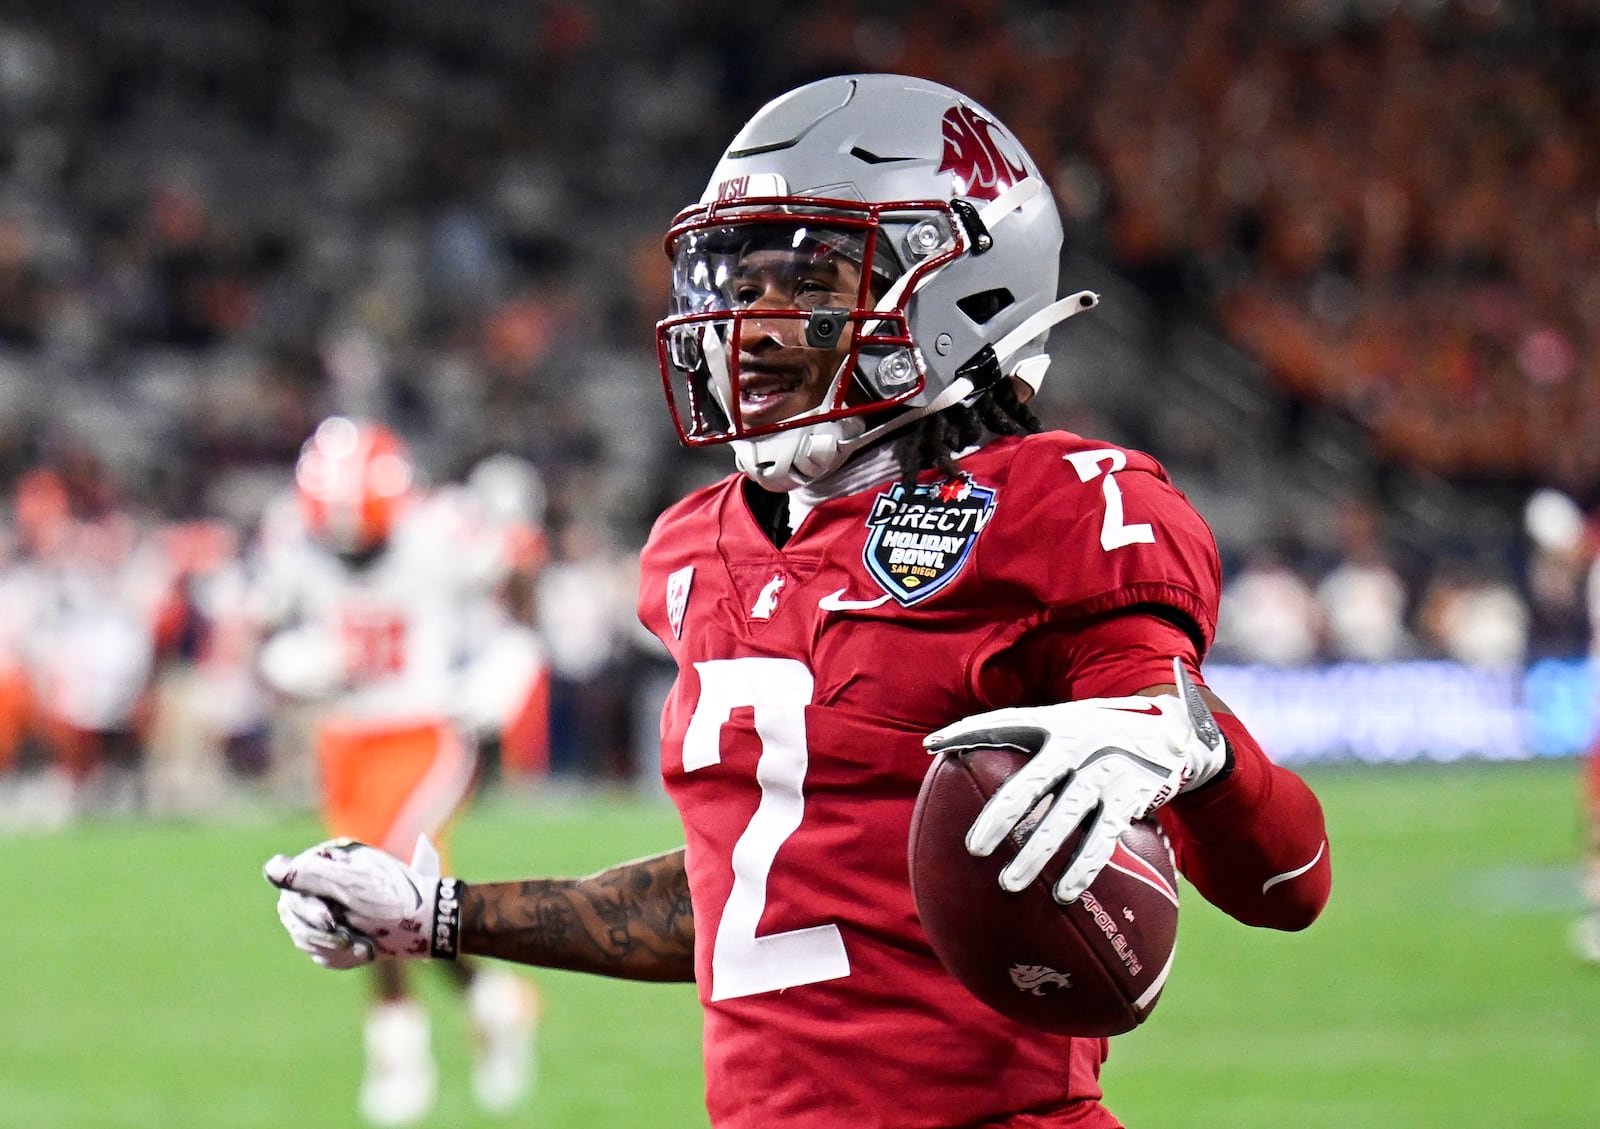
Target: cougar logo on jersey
(767,602)
(919,541)
(1036,979)
(678,598)
(972,153)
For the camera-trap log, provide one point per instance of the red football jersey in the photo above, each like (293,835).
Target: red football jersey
(792,746)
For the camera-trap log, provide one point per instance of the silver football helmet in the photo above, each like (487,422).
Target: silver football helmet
(888,224)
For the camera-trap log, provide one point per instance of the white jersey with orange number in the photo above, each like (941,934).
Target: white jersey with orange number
(381,642)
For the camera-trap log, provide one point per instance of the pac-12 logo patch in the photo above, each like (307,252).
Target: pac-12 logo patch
(918,541)
(678,584)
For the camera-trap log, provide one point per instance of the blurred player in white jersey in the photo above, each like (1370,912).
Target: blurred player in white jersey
(378,600)
(97,589)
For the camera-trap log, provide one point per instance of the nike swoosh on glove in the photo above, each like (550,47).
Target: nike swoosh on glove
(1106,760)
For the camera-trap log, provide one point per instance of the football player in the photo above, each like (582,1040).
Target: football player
(903,562)
(377,596)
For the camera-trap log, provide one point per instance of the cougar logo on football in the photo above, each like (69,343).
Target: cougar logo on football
(1036,979)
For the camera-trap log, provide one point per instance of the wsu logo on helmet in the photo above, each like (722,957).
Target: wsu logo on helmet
(973,154)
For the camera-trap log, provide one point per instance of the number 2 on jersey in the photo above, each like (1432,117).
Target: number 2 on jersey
(778,691)
(1114,532)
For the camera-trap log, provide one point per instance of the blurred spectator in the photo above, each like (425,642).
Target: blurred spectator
(1362,600)
(1269,613)
(213,245)
(1559,556)
(1475,616)
(1391,206)
(586,612)
(98,586)
(206,747)
(511,708)
(1587,932)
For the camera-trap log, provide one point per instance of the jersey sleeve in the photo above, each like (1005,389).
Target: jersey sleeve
(1089,530)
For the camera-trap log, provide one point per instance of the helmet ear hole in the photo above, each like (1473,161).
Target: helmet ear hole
(985,305)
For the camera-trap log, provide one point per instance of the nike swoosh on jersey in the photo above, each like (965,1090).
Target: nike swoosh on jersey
(835,602)
(1142,709)
(1296,872)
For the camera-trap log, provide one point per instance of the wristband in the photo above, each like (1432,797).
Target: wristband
(445,942)
(1231,729)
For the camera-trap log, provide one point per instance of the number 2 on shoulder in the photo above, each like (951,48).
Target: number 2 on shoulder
(778,692)
(1114,531)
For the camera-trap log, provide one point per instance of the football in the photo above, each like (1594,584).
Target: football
(1094,967)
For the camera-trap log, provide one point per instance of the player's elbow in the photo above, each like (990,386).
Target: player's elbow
(1293,918)
(1287,905)
(1295,905)
(1283,915)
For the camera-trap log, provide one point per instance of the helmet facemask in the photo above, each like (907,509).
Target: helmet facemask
(789,314)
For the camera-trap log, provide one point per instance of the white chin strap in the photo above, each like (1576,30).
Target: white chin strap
(1030,370)
(788,459)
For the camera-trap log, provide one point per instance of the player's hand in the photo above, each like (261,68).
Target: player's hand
(316,931)
(1108,760)
(345,904)
(303,662)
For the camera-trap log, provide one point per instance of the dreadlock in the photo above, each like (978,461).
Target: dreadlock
(932,442)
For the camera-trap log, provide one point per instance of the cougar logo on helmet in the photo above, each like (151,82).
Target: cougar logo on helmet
(973,154)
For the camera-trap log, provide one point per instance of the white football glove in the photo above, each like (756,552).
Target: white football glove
(1112,759)
(346,904)
(316,931)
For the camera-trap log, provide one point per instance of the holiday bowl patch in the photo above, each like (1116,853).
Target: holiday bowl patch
(918,541)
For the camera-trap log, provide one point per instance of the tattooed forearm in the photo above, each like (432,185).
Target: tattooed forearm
(632,921)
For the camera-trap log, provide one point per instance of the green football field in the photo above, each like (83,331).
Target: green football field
(150,986)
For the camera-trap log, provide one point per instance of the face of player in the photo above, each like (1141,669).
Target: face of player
(780,375)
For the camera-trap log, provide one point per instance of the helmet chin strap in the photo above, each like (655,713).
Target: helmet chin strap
(797,455)
(789,459)
(1030,370)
